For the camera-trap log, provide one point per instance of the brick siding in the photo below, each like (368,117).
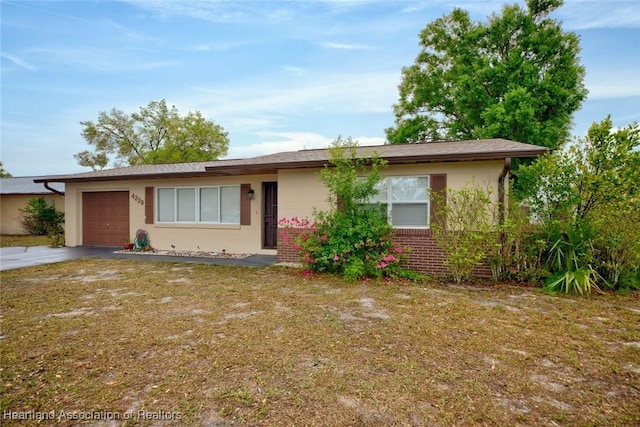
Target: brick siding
(426,255)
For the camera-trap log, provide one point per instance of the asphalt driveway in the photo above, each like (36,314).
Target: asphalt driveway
(27,256)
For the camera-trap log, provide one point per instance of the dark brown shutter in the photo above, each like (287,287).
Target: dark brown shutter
(148,205)
(245,205)
(439,189)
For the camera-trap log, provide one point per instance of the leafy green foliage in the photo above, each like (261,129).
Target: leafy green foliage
(587,196)
(155,134)
(516,76)
(570,257)
(519,252)
(464,228)
(617,247)
(353,240)
(39,219)
(4,173)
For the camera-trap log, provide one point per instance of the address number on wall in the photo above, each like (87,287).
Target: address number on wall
(137,198)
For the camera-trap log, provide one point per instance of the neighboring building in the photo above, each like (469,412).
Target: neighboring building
(14,195)
(235,205)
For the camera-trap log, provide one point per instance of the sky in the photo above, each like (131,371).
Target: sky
(276,75)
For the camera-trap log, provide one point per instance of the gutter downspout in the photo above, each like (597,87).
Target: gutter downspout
(502,191)
(53,190)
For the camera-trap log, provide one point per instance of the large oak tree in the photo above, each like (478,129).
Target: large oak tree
(516,76)
(155,134)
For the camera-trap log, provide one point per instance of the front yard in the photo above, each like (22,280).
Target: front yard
(140,342)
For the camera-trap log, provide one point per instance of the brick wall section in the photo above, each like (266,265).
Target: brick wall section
(286,252)
(426,255)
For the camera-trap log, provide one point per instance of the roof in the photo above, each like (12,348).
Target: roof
(423,152)
(25,185)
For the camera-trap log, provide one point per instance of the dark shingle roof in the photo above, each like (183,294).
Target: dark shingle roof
(426,152)
(25,185)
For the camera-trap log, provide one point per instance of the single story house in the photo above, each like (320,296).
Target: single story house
(15,193)
(235,205)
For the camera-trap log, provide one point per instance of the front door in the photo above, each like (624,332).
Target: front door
(270,209)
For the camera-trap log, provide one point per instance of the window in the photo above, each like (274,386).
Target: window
(199,204)
(405,199)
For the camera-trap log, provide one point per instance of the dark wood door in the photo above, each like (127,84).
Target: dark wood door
(105,218)
(270,209)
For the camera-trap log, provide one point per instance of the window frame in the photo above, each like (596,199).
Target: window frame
(197,204)
(389,202)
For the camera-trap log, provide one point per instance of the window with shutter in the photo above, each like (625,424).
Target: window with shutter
(215,204)
(405,199)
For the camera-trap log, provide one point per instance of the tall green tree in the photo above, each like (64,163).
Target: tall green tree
(155,134)
(516,76)
(4,173)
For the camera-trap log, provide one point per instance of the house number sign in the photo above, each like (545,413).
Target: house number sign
(137,198)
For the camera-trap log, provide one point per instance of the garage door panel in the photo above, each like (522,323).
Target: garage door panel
(105,218)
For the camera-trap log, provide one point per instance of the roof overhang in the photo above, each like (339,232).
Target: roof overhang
(264,168)
(445,152)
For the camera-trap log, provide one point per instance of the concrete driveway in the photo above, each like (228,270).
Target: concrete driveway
(21,256)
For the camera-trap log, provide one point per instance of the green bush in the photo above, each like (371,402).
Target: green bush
(570,258)
(464,229)
(354,239)
(40,219)
(353,245)
(586,197)
(616,244)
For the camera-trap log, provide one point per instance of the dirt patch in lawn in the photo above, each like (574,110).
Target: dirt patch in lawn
(214,345)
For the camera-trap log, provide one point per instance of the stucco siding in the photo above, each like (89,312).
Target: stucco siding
(299,192)
(10,205)
(179,236)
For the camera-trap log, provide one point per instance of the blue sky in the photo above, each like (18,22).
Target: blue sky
(277,75)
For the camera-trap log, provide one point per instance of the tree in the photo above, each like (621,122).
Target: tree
(155,134)
(517,76)
(4,173)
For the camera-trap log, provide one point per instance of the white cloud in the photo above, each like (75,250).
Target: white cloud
(99,59)
(345,46)
(328,92)
(221,46)
(582,15)
(294,70)
(612,83)
(213,11)
(18,61)
(275,142)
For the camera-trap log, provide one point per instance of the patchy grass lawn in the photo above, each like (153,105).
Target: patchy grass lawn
(211,345)
(7,240)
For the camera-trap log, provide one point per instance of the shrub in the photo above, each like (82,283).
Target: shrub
(464,229)
(40,219)
(518,255)
(353,239)
(350,245)
(616,245)
(570,259)
(586,197)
